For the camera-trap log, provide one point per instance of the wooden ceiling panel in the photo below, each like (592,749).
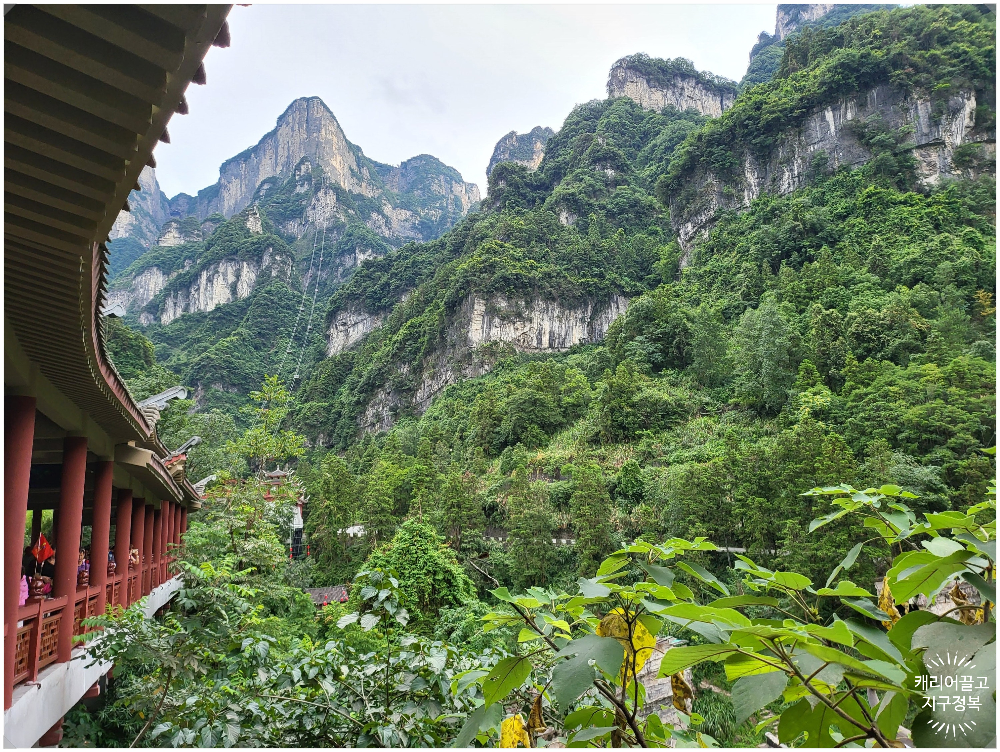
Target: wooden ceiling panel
(128,27)
(89,54)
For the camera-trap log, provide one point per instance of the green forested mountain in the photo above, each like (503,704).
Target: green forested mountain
(658,340)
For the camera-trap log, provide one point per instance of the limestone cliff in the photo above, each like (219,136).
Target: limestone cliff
(149,210)
(478,333)
(349,327)
(832,135)
(218,284)
(654,84)
(523,148)
(791,17)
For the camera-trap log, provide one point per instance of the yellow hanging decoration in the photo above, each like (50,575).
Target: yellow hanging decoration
(887,604)
(640,646)
(682,692)
(513,732)
(536,725)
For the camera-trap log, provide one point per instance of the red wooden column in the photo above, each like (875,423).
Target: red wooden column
(74,474)
(167,513)
(123,530)
(154,572)
(19,432)
(100,538)
(138,530)
(184,520)
(177,526)
(147,550)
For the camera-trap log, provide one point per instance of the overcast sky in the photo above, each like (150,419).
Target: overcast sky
(447,80)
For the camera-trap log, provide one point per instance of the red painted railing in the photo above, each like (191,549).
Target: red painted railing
(40,619)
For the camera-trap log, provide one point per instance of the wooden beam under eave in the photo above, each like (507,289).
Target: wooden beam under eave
(58,173)
(71,121)
(38,140)
(23,227)
(47,35)
(129,28)
(186,17)
(51,195)
(51,216)
(74,88)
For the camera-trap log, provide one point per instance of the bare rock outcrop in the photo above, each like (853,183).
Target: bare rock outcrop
(792,16)
(526,149)
(218,284)
(480,332)
(149,209)
(654,84)
(349,327)
(832,135)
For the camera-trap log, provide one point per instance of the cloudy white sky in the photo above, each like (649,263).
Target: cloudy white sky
(447,80)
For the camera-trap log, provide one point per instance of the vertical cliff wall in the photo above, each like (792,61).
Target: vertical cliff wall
(654,84)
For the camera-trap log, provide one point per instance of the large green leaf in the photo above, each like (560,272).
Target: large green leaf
(901,634)
(506,676)
(866,607)
(661,575)
(593,589)
(988,548)
(877,638)
(483,717)
(704,575)
(678,659)
(725,618)
(815,722)
(890,713)
(590,715)
(942,546)
(847,563)
(957,640)
(825,519)
(845,589)
(792,580)
(571,678)
(927,578)
(751,693)
(740,664)
(738,601)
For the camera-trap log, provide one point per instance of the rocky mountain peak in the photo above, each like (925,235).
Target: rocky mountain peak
(523,148)
(792,16)
(654,84)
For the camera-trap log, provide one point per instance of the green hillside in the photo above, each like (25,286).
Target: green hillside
(808,398)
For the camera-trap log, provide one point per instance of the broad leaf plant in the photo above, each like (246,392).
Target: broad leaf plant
(844,661)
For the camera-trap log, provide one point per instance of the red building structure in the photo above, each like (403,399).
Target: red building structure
(88,93)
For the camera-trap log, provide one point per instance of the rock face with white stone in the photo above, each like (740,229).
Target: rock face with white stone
(827,139)
(792,16)
(538,326)
(655,84)
(526,149)
(349,327)
(218,284)
(150,208)
(480,331)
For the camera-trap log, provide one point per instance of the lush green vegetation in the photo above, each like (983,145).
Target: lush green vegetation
(934,50)
(766,55)
(514,552)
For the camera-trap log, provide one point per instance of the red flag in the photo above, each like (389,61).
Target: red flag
(42,550)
